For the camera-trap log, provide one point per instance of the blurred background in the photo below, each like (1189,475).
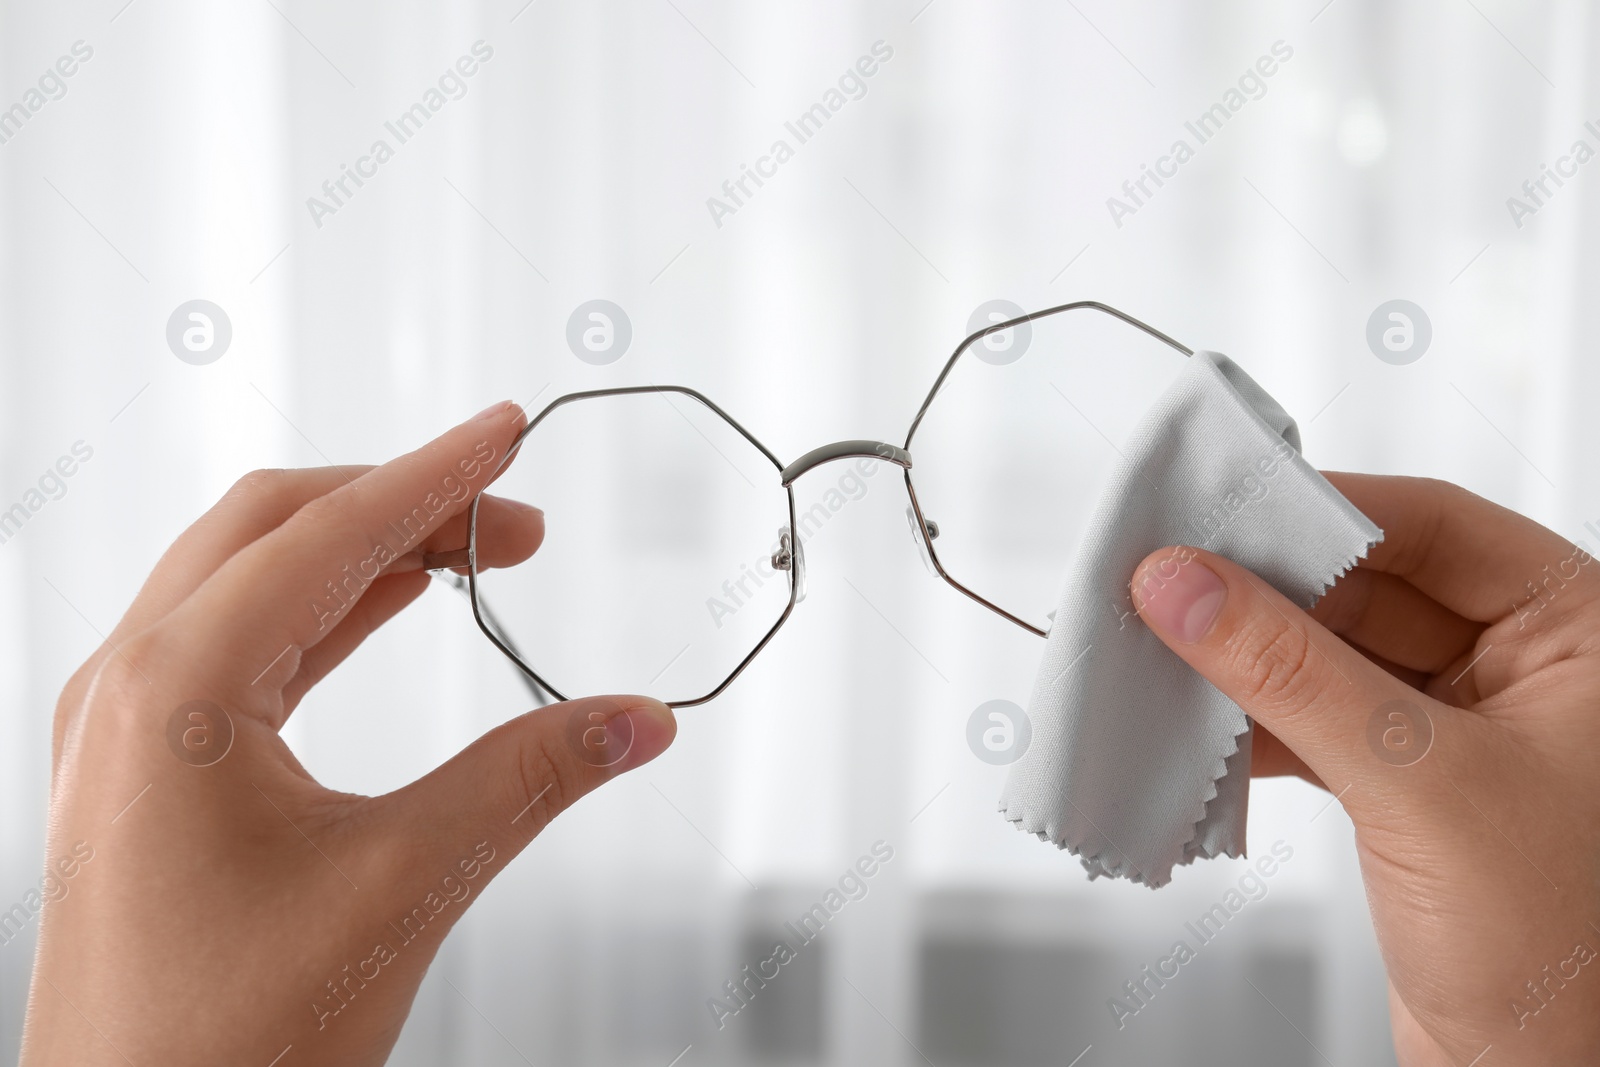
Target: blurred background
(585,159)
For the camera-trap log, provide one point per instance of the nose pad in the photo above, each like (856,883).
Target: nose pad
(916,536)
(791,557)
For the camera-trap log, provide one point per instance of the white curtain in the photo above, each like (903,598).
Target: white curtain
(576,163)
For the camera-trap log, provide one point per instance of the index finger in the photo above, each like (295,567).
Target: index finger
(287,591)
(1473,556)
(258,502)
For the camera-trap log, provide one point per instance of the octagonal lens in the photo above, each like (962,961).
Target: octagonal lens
(657,573)
(1014,452)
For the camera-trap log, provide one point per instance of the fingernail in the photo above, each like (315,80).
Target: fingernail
(491,411)
(1180,597)
(643,730)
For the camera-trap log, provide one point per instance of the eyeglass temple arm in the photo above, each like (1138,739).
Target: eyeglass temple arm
(436,562)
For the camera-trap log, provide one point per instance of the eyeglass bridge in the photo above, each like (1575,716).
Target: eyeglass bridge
(845,450)
(783,558)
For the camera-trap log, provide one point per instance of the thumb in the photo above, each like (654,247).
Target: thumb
(1347,718)
(506,786)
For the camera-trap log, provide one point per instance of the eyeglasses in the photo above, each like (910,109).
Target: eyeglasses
(670,524)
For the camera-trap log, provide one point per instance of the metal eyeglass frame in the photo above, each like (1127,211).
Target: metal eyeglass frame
(790,556)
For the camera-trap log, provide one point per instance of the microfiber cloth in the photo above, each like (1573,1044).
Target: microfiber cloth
(1137,763)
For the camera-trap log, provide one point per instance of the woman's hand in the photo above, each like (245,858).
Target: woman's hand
(1448,692)
(208,901)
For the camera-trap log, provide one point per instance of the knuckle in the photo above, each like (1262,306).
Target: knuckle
(126,670)
(338,510)
(1438,500)
(328,508)
(1277,667)
(263,484)
(117,695)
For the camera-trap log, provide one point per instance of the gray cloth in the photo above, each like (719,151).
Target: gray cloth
(1137,763)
